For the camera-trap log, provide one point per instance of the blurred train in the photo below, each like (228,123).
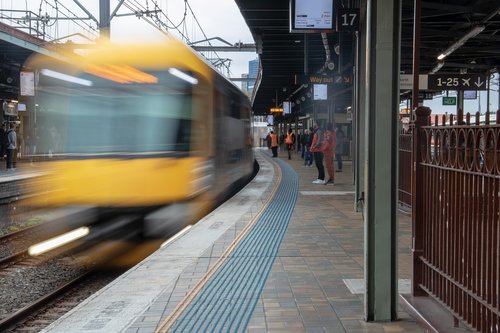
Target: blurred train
(138,128)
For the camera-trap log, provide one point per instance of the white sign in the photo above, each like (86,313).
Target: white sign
(320,92)
(406,81)
(287,109)
(27,83)
(312,15)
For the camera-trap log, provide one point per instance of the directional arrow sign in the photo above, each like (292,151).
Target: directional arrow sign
(457,82)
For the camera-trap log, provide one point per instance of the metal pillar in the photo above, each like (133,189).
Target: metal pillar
(104,18)
(359,115)
(381,182)
(416,54)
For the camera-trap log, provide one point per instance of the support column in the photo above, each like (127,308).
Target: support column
(104,15)
(381,173)
(359,108)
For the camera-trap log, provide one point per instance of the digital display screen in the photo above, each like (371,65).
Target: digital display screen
(313,16)
(320,92)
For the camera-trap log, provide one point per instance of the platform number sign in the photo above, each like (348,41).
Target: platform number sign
(348,19)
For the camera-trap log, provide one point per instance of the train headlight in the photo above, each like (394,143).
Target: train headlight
(202,177)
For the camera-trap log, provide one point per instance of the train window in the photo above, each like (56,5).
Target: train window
(235,104)
(112,117)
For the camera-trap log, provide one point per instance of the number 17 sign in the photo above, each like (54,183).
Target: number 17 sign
(348,19)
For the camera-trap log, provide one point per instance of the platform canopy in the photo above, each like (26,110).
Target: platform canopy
(445,24)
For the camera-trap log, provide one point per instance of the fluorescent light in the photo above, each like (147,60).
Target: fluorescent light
(183,76)
(66,77)
(453,47)
(58,241)
(436,68)
(177,235)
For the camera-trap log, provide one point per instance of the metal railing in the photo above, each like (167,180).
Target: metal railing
(405,167)
(457,232)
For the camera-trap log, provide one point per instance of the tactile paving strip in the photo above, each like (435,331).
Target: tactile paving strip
(227,300)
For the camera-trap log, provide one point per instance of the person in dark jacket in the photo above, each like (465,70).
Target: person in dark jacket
(339,147)
(11,146)
(308,161)
(3,141)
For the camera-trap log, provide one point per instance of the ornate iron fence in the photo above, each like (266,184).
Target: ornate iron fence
(405,166)
(457,235)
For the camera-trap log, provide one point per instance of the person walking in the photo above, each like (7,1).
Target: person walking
(289,141)
(274,143)
(328,148)
(11,146)
(317,153)
(339,147)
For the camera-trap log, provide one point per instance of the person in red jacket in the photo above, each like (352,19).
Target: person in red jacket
(318,153)
(328,147)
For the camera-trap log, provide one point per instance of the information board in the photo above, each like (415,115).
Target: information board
(311,16)
(457,82)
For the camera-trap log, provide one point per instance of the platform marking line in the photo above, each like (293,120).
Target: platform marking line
(172,318)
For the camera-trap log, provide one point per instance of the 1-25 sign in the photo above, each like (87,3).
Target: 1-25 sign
(348,19)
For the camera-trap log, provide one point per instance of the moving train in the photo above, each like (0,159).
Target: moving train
(149,128)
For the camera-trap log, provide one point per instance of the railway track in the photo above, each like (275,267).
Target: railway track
(31,282)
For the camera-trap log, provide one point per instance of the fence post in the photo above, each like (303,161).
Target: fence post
(422,118)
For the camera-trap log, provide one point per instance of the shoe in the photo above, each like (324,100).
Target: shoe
(329,182)
(339,170)
(318,181)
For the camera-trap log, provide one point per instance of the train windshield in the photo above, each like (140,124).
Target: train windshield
(114,110)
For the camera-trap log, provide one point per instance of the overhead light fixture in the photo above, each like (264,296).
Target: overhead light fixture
(436,68)
(472,33)
(66,77)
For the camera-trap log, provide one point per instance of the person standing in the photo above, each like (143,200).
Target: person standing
(3,141)
(339,148)
(11,146)
(274,143)
(317,153)
(303,141)
(290,140)
(328,148)
(308,161)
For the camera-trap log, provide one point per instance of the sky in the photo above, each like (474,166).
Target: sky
(219,18)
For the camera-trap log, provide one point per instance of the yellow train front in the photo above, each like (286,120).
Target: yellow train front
(149,128)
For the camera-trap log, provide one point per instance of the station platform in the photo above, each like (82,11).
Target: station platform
(283,255)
